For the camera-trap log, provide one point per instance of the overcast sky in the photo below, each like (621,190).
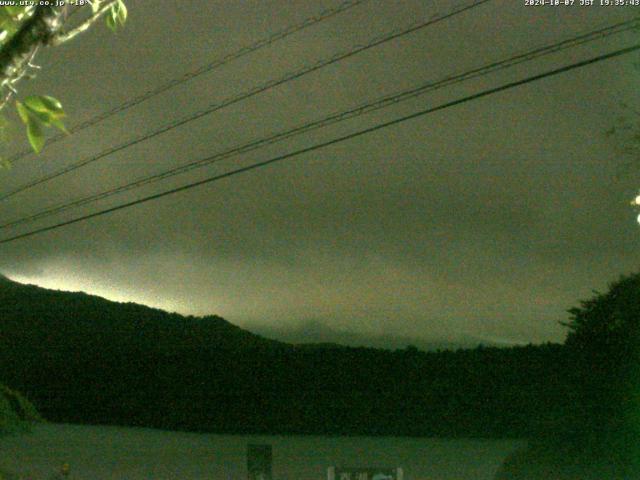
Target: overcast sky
(482,222)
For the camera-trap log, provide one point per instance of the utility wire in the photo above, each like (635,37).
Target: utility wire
(219,62)
(334,141)
(338,117)
(243,96)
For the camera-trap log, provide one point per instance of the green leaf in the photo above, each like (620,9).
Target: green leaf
(35,134)
(122,12)
(22,111)
(43,117)
(44,104)
(34,126)
(37,112)
(56,122)
(112,19)
(45,109)
(117,15)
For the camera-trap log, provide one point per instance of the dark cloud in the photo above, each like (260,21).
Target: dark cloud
(484,221)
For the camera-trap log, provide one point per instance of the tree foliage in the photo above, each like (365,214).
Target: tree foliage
(598,437)
(609,321)
(23,31)
(604,344)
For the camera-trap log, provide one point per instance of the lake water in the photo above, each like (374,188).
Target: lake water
(96,453)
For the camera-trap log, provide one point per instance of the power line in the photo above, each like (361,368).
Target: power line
(219,62)
(243,96)
(334,141)
(338,117)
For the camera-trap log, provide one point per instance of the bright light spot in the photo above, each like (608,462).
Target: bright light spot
(636,201)
(638,219)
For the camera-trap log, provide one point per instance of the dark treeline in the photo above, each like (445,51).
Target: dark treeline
(83,359)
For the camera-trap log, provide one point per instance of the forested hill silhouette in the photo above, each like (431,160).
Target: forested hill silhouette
(63,318)
(83,359)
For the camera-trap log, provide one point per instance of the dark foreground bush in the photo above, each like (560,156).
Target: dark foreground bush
(568,461)
(17,414)
(599,436)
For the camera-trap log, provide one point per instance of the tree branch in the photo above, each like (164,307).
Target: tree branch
(39,30)
(64,37)
(16,79)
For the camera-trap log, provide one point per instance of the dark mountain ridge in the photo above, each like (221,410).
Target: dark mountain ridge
(84,359)
(77,316)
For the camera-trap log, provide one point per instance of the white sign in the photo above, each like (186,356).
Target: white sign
(364,473)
